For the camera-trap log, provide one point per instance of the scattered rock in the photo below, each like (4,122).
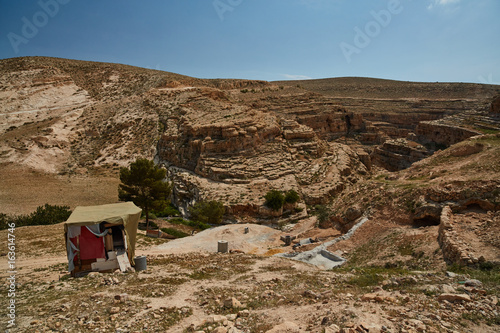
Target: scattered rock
(332,329)
(286,327)
(244,313)
(311,294)
(233,330)
(232,303)
(473,283)
(454,298)
(114,310)
(217,319)
(447,289)
(121,297)
(451,274)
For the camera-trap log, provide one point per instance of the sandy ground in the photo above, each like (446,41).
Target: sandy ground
(258,240)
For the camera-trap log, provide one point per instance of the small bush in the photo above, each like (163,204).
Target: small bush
(208,212)
(170,210)
(4,221)
(43,215)
(486,266)
(194,224)
(274,199)
(291,197)
(323,214)
(174,232)
(152,225)
(298,209)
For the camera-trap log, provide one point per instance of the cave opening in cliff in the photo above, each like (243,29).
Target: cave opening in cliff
(475,208)
(426,221)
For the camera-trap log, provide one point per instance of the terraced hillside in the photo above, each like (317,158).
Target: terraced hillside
(230,140)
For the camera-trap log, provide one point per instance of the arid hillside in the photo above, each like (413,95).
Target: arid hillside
(74,121)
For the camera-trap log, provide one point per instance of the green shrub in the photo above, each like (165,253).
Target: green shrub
(208,212)
(49,214)
(174,232)
(194,224)
(291,197)
(170,210)
(274,199)
(4,221)
(43,215)
(152,225)
(323,214)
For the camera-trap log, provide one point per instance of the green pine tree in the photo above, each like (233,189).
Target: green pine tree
(143,184)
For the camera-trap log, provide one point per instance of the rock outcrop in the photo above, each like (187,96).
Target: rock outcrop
(239,154)
(464,238)
(495,105)
(398,154)
(442,134)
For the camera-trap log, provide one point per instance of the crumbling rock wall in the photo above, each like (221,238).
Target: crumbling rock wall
(449,238)
(433,132)
(453,252)
(398,154)
(334,124)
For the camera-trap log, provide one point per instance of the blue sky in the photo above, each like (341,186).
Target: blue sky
(411,40)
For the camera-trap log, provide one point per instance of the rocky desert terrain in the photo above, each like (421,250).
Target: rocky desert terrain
(417,163)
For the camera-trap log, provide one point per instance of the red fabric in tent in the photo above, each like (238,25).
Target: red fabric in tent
(91,246)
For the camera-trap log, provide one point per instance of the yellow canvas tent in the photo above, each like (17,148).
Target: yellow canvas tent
(95,235)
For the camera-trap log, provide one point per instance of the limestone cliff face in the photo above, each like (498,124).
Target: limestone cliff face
(434,132)
(398,154)
(214,150)
(333,124)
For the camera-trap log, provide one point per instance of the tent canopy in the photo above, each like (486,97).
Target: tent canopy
(125,213)
(118,213)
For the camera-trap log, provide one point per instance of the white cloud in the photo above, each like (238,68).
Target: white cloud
(296,77)
(446,2)
(435,3)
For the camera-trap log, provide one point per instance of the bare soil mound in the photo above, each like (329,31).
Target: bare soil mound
(259,240)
